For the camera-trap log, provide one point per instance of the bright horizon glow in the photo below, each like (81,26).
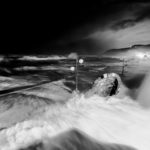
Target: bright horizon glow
(140,55)
(116,39)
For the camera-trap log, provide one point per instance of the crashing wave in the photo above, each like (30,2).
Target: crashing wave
(119,121)
(38,58)
(83,122)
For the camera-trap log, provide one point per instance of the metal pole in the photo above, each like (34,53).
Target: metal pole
(76,74)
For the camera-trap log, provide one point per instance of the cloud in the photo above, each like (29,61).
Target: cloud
(136,52)
(73,55)
(116,39)
(123,24)
(134,14)
(120,25)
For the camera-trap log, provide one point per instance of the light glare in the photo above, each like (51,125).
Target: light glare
(81,61)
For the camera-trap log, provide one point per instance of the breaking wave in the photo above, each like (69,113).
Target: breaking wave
(38,58)
(83,123)
(119,121)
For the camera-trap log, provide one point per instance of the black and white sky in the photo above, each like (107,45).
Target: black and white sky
(62,27)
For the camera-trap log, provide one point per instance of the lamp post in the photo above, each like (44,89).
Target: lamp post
(78,61)
(76,74)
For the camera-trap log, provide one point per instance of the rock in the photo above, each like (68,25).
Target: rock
(106,85)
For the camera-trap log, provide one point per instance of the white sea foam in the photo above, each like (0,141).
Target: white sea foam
(38,58)
(112,120)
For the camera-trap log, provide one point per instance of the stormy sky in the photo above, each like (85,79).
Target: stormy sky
(62,28)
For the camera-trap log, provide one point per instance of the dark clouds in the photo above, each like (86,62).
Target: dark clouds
(111,29)
(59,28)
(134,13)
(123,24)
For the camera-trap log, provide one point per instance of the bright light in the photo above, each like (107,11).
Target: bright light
(140,55)
(72,68)
(81,61)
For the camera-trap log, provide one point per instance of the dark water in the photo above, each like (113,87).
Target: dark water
(38,71)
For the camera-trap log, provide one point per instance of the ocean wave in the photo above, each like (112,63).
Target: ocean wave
(81,121)
(38,58)
(108,120)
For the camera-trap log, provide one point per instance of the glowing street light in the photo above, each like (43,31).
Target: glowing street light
(81,61)
(72,68)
